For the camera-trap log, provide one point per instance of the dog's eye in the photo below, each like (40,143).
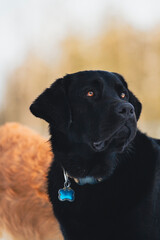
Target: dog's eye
(123,95)
(90,94)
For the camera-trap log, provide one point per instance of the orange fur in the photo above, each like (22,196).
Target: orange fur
(25,211)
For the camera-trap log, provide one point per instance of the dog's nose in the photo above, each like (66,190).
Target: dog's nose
(125,110)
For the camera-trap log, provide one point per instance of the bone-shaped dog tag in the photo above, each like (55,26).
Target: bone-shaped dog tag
(66,194)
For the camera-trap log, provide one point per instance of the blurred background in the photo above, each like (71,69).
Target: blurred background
(42,40)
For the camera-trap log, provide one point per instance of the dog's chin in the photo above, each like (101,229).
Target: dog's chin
(117,142)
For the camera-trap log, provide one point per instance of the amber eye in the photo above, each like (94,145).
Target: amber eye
(90,94)
(123,95)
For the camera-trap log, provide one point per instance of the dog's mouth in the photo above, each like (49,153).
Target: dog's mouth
(119,140)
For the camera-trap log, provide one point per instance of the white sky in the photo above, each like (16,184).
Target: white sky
(40,24)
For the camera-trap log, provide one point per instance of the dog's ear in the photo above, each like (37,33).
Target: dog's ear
(132,98)
(52,105)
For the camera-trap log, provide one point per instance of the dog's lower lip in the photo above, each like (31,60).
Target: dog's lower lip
(99,145)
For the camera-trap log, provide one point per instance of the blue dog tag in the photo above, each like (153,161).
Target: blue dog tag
(66,194)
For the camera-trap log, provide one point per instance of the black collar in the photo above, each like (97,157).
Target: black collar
(88,180)
(82,181)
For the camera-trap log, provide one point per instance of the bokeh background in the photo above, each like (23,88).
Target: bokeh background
(42,40)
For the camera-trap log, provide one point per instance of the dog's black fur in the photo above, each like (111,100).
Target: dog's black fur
(97,136)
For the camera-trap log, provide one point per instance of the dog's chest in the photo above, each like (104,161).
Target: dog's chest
(94,215)
(92,224)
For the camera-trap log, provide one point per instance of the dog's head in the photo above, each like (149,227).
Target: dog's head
(92,117)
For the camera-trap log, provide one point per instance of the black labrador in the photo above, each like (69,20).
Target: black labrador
(104,182)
